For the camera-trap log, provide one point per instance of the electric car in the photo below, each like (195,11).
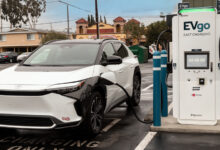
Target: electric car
(69,83)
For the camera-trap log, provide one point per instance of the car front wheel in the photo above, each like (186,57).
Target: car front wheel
(93,120)
(136,96)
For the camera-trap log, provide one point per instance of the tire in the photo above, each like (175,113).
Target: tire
(136,96)
(94,114)
(11,60)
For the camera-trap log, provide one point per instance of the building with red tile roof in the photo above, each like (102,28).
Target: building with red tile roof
(84,31)
(134,21)
(81,21)
(119,19)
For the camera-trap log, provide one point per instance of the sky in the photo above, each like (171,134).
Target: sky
(146,11)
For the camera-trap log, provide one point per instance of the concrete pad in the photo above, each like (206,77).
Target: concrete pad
(170,124)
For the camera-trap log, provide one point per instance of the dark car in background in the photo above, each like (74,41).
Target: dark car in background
(8,57)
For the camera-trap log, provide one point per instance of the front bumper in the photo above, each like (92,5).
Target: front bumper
(38,112)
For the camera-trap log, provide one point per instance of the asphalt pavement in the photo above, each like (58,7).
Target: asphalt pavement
(121,129)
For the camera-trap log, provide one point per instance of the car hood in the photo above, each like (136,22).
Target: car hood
(38,78)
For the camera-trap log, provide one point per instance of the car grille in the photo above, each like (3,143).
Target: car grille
(26,121)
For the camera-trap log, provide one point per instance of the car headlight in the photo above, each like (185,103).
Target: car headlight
(66,87)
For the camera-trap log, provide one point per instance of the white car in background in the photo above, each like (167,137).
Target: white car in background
(69,83)
(22,56)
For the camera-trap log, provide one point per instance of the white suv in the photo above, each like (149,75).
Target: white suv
(68,83)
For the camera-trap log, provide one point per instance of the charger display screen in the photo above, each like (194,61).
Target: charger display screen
(196,60)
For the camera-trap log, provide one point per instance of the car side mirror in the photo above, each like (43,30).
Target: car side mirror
(112,60)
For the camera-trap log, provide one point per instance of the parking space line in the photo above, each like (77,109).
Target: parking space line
(147,88)
(150,135)
(109,126)
(147,139)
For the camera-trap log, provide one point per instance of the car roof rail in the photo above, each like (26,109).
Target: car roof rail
(109,39)
(51,41)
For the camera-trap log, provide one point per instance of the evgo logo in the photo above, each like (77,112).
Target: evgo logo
(196,26)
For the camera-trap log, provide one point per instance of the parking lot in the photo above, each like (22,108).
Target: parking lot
(121,131)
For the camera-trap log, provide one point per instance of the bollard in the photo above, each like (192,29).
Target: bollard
(156,89)
(164,100)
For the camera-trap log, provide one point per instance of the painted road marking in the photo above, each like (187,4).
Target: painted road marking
(147,139)
(150,135)
(147,88)
(109,126)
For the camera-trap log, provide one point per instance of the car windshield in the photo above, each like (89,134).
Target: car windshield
(64,55)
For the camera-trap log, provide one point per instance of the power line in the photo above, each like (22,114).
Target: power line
(52,2)
(74,6)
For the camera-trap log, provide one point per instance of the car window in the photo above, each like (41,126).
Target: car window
(120,50)
(64,54)
(109,50)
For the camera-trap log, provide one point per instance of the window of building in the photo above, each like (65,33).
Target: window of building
(120,50)
(40,36)
(81,30)
(30,36)
(118,28)
(2,37)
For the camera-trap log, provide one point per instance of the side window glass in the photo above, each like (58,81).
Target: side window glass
(109,50)
(120,50)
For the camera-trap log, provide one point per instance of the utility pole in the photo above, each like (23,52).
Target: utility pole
(51,26)
(68,20)
(1,17)
(97,18)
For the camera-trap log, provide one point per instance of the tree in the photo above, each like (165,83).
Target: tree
(101,19)
(33,10)
(105,21)
(12,12)
(134,31)
(154,30)
(89,20)
(19,12)
(53,36)
(92,20)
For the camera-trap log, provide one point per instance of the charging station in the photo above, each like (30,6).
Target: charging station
(196,66)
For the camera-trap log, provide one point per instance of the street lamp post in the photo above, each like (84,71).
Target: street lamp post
(68,20)
(97,18)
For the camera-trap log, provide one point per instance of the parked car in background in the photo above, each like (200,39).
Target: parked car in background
(9,57)
(2,59)
(22,56)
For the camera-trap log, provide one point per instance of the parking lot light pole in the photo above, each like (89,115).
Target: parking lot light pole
(68,20)
(97,18)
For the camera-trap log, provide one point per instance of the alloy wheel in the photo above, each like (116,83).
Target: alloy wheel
(96,114)
(137,89)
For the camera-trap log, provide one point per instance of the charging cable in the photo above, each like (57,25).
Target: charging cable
(132,108)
